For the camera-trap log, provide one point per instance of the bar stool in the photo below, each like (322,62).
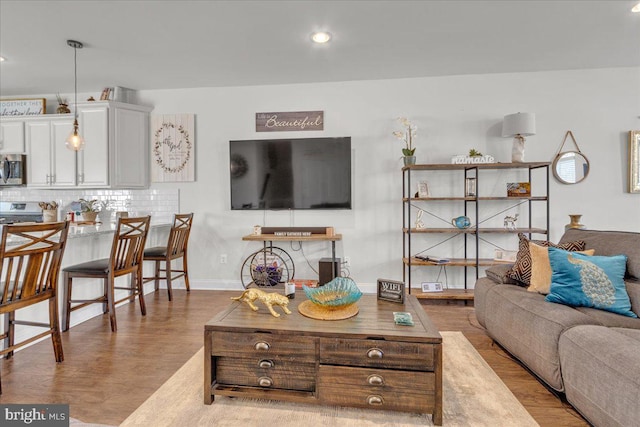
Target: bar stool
(176,248)
(126,258)
(29,271)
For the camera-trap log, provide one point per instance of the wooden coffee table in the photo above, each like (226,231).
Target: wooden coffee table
(366,361)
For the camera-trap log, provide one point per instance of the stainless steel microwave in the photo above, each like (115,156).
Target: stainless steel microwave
(13,170)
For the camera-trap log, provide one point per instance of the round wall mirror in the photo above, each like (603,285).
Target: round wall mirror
(570,167)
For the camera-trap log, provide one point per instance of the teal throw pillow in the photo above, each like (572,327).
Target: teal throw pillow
(589,281)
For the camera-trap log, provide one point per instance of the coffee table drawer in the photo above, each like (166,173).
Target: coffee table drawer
(253,345)
(266,373)
(409,391)
(378,353)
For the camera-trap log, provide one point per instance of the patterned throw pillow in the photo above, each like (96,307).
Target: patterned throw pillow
(541,268)
(589,281)
(521,270)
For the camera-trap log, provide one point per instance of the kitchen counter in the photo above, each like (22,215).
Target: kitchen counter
(94,230)
(89,243)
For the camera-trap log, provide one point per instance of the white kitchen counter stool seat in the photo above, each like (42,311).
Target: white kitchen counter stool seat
(126,258)
(29,270)
(176,248)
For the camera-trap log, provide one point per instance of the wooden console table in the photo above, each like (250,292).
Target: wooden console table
(268,239)
(366,361)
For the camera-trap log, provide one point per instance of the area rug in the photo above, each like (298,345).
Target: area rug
(473,396)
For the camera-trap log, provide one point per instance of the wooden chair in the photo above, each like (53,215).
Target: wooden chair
(29,270)
(176,248)
(126,258)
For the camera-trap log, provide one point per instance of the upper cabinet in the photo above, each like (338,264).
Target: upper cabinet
(116,151)
(115,154)
(11,136)
(49,163)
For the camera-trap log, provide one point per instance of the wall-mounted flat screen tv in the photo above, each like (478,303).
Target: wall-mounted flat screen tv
(301,173)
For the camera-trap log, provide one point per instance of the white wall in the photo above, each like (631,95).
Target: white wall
(453,114)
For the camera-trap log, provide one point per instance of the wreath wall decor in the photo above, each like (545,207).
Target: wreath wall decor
(173,148)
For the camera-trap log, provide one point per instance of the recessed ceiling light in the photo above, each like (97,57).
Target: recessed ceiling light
(2,59)
(636,8)
(321,37)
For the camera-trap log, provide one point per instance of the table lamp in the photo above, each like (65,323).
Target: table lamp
(518,126)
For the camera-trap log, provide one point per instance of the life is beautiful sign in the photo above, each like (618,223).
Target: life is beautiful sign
(289,121)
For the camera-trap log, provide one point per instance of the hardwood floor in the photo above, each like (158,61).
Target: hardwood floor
(105,376)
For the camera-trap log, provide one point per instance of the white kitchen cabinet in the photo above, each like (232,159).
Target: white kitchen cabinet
(49,162)
(116,153)
(11,136)
(93,160)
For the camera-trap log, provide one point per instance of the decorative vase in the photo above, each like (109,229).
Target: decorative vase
(63,109)
(89,216)
(409,160)
(575,222)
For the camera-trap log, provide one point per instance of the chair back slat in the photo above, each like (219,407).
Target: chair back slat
(30,257)
(179,235)
(128,245)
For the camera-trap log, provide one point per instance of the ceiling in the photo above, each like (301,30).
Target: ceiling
(189,44)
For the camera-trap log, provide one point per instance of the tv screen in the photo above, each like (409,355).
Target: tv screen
(303,173)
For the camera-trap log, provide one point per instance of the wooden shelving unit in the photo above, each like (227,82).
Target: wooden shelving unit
(471,205)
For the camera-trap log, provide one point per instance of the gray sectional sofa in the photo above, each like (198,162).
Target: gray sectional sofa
(590,355)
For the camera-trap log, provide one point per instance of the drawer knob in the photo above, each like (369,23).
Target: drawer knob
(265,382)
(375,353)
(375,400)
(262,346)
(266,363)
(375,380)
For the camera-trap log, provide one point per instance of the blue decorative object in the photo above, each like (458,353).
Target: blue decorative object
(589,281)
(461,222)
(338,293)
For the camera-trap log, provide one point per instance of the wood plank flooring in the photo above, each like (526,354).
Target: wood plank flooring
(106,376)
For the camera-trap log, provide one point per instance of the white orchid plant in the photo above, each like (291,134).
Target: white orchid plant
(407,135)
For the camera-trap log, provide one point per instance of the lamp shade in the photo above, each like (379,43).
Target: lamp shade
(523,124)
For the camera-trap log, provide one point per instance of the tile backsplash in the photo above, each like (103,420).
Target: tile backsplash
(160,204)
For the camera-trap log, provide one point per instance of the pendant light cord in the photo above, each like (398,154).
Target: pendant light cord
(75,83)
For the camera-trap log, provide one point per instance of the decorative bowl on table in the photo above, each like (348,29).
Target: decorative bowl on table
(334,301)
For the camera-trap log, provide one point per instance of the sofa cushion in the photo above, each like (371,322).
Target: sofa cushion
(499,273)
(607,318)
(541,268)
(528,327)
(633,289)
(601,372)
(521,270)
(610,243)
(589,281)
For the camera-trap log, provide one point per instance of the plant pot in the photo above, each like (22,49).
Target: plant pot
(89,216)
(63,109)
(409,160)
(50,215)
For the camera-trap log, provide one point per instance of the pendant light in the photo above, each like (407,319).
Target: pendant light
(75,141)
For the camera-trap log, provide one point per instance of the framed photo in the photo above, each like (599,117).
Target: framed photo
(423,189)
(391,290)
(432,287)
(519,189)
(634,161)
(23,107)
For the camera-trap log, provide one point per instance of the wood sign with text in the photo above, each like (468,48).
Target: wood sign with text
(391,290)
(23,107)
(289,121)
